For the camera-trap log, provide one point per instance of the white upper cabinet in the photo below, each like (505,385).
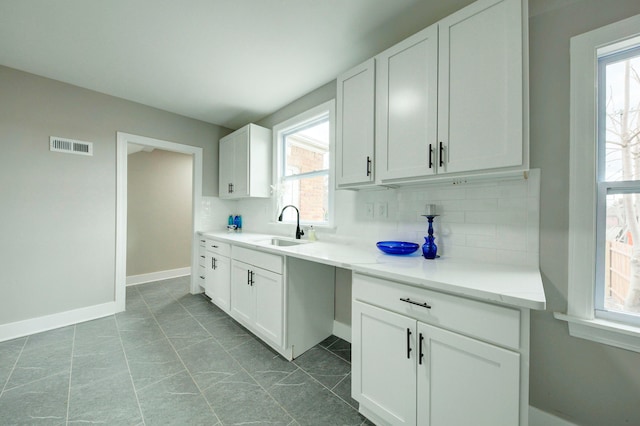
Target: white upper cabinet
(480,111)
(406,106)
(450,101)
(355,126)
(245,163)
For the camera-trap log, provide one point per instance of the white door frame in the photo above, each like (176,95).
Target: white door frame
(121,207)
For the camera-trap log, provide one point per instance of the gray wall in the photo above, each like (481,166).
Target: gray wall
(590,383)
(159,211)
(57,220)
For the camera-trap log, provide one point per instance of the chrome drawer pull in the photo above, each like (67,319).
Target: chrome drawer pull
(424,305)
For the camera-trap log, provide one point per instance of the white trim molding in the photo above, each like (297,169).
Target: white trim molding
(582,195)
(157,276)
(49,322)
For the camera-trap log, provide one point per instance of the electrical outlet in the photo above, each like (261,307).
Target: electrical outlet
(368,210)
(381,210)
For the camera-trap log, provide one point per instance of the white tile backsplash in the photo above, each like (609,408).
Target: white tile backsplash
(490,221)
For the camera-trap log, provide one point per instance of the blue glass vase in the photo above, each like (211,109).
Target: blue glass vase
(429,248)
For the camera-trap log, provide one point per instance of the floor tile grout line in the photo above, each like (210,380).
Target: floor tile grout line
(298,367)
(266,391)
(330,390)
(15,364)
(178,355)
(73,346)
(336,355)
(126,360)
(244,369)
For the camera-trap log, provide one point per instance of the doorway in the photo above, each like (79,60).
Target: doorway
(123,140)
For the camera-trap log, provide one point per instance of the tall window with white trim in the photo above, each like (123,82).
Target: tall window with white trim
(617,287)
(604,198)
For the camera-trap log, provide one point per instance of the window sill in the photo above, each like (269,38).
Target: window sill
(603,331)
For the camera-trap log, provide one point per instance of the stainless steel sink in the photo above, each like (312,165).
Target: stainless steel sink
(284,242)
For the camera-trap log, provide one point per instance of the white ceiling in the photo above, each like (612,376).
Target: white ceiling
(227,62)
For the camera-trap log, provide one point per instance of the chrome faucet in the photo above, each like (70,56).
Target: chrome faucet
(299,232)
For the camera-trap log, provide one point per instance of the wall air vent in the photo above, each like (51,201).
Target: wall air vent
(70,146)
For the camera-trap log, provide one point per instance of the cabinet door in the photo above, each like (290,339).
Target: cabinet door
(355,125)
(242,296)
(462,381)
(406,107)
(241,163)
(383,363)
(209,277)
(221,282)
(226,162)
(480,86)
(269,313)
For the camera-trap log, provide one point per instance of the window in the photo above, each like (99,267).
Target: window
(304,162)
(617,290)
(604,204)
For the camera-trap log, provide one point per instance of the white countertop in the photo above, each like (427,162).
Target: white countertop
(519,286)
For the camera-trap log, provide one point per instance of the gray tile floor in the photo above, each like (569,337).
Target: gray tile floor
(172,359)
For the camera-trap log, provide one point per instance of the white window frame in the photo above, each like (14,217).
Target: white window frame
(580,315)
(278,157)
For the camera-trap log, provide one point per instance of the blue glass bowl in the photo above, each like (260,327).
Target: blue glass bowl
(397,247)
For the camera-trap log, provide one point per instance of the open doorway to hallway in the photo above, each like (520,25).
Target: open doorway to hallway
(159,214)
(195,153)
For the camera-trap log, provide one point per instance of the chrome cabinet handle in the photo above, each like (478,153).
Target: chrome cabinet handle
(424,305)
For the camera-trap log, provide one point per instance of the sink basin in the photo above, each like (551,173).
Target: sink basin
(284,242)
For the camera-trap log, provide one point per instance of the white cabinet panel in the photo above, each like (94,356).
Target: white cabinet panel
(481,86)
(219,287)
(355,125)
(269,311)
(462,381)
(383,365)
(242,296)
(406,105)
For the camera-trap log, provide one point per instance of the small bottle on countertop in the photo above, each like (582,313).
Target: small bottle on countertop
(237,221)
(312,234)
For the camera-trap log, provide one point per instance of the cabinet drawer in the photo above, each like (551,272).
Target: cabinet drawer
(217,247)
(268,261)
(491,323)
(201,274)
(202,242)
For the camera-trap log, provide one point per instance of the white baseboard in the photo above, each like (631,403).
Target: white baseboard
(342,331)
(538,417)
(49,322)
(157,276)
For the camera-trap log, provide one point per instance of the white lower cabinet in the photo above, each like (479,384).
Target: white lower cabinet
(257,296)
(218,273)
(418,360)
(218,281)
